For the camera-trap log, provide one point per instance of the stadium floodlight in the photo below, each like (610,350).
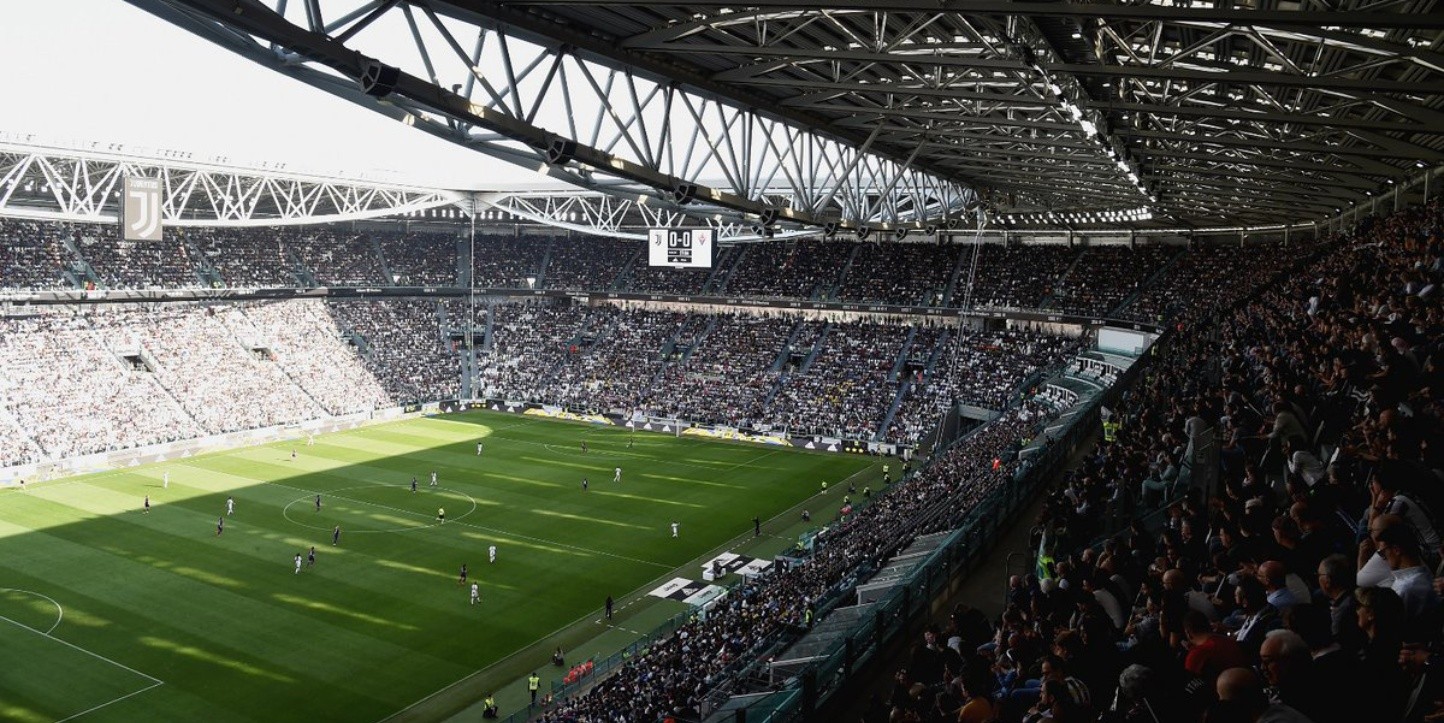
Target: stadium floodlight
(378,79)
(561,151)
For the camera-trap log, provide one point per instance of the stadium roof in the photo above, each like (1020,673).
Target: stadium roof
(1196,114)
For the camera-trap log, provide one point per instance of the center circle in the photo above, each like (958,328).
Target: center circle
(344,510)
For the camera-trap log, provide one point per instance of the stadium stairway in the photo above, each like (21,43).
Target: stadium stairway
(546,259)
(722,258)
(1046,302)
(817,347)
(205,271)
(786,351)
(897,402)
(697,340)
(719,282)
(625,275)
(1148,283)
(937,352)
(304,276)
(78,272)
(904,353)
(381,259)
(836,288)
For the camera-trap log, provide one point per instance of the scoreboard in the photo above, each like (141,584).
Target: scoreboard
(680,247)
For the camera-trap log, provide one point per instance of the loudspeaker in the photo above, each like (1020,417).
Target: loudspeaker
(830,229)
(763,231)
(901,233)
(684,193)
(561,151)
(930,229)
(769,216)
(379,79)
(863,232)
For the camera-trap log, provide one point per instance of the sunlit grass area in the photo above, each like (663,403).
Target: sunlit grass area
(110,612)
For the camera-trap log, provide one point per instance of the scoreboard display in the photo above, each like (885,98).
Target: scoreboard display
(680,247)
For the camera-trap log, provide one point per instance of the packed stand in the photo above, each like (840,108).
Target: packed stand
(805,269)
(1107,275)
(400,344)
(1012,277)
(589,263)
(420,259)
(676,281)
(246,258)
(507,261)
(674,676)
(16,446)
(307,345)
(613,370)
(847,389)
(1307,587)
(63,382)
(338,257)
(124,264)
(529,340)
(31,255)
(727,377)
(907,274)
(979,368)
(1192,286)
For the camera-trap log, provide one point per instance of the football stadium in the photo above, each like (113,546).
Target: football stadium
(586,361)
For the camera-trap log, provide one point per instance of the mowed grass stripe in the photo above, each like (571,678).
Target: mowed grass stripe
(380,622)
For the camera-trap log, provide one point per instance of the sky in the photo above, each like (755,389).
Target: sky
(66,60)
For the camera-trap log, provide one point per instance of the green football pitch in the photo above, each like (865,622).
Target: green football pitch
(110,612)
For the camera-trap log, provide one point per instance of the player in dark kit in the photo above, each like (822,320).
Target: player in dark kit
(462,581)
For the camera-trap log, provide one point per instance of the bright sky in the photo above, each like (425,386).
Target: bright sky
(70,64)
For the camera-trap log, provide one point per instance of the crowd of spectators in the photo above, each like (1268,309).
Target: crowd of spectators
(420,258)
(679,281)
(979,368)
(32,256)
(907,274)
(303,338)
(246,258)
(788,269)
(1193,285)
(98,380)
(727,377)
(337,257)
(589,263)
(61,383)
(1303,585)
(1013,277)
(124,264)
(847,388)
(613,371)
(674,676)
(401,345)
(529,339)
(1105,276)
(507,261)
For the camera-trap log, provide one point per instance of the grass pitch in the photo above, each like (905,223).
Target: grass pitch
(108,612)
